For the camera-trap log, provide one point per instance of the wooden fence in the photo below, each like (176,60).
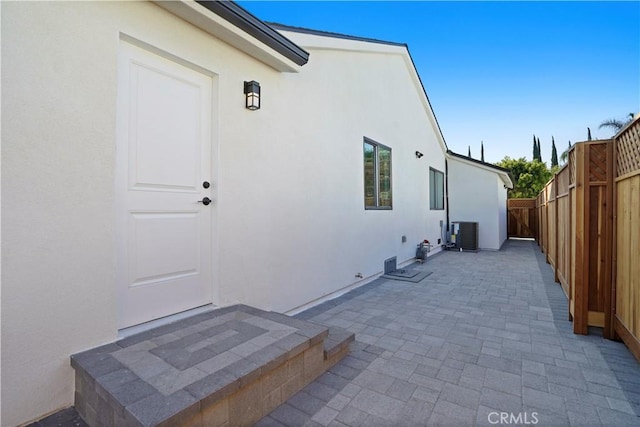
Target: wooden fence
(589,229)
(521,218)
(626,250)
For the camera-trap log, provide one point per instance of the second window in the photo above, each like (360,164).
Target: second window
(436,189)
(377,176)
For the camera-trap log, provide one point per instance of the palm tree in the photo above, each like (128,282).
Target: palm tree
(615,124)
(565,154)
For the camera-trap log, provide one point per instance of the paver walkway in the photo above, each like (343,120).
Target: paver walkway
(484,340)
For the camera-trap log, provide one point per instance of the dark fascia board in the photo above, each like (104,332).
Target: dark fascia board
(480,162)
(253,26)
(330,34)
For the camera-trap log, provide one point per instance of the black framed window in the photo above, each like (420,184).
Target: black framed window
(377,176)
(436,189)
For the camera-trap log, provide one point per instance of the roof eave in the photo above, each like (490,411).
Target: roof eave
(333,35)
(239,28)
(315,39)
(504,174)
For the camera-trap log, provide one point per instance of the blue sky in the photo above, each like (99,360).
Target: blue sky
(500,72)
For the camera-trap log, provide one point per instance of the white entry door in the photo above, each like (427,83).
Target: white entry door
(163,175)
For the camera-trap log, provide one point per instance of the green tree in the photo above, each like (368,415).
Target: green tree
(588,134)
(469,152)
(530,176)
(482,151)
(539,152)
(554,153)
(535,149)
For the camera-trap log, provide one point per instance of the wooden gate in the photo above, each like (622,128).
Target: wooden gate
(522,220)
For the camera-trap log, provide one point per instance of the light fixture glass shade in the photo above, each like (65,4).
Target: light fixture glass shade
(252,94)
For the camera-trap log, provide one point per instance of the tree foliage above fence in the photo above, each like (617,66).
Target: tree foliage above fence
(529,177)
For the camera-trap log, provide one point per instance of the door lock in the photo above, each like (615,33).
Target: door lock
(205,201)
(206,184)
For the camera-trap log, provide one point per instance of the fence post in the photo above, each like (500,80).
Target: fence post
(539,218)
(547,195)
(609,291)
(556,261)
(572,262)
(581,292)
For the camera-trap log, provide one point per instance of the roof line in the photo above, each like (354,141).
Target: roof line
(244,20)
(480,162)
(428,100)
(368,40)
(330,34)
(507,172)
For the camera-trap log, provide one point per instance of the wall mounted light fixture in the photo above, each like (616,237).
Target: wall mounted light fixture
(252,93)
(419,154)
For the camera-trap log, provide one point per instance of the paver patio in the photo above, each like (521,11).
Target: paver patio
(485,336)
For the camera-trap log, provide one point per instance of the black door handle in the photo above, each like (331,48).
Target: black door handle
(205,201)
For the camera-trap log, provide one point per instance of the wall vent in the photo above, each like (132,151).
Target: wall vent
(390,265)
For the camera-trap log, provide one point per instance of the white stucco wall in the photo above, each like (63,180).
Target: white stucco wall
(58,116)
(474,196)
(305,227)
(59,87)
(289,216)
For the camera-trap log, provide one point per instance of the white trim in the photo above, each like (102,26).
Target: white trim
(347,289)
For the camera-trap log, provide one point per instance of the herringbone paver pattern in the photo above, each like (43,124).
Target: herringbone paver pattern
(484,340)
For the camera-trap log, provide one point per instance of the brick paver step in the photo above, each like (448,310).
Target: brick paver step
(228,366)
